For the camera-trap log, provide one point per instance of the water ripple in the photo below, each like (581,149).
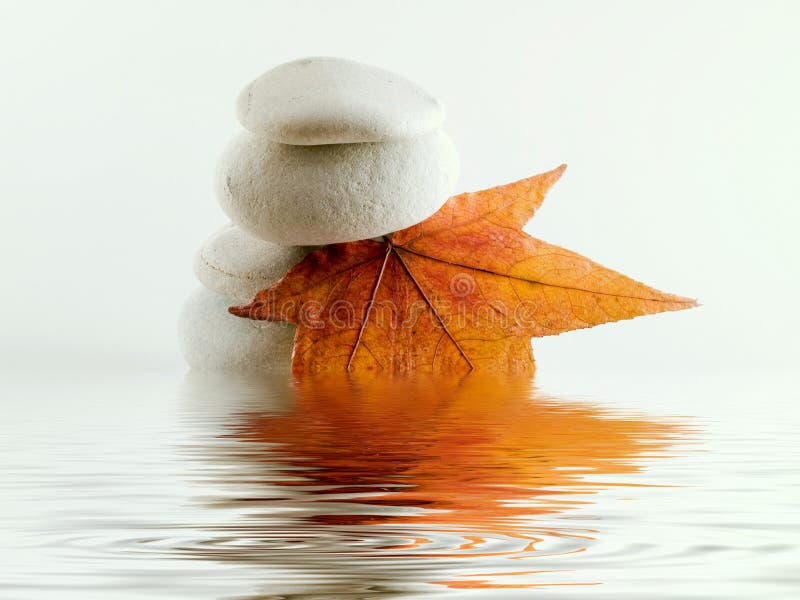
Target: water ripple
(255,488)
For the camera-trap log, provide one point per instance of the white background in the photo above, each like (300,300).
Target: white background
(680,123)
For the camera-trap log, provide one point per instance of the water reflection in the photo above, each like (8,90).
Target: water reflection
(365,488)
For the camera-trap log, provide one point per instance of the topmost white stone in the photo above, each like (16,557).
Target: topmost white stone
(324,100)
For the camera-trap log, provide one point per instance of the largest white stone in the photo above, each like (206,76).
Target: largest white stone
(310,195)
(212,339)
(324,100)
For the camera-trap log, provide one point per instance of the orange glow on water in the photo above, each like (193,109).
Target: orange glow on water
(475,458)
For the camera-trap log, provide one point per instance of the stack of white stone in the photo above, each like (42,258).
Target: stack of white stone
(333,151)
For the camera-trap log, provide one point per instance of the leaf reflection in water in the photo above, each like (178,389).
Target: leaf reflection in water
(362,487)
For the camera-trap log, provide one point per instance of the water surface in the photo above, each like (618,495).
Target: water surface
(209,486)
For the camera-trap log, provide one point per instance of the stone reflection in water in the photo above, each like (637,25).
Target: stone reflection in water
(368,487)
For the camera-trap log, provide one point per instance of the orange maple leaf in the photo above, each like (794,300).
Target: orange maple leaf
(465,289)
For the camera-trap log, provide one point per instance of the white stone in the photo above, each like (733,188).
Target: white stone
(212,339)
(325,100)
(237,265)
(310,195)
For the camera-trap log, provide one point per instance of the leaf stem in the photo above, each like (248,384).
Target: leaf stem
(369,306)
